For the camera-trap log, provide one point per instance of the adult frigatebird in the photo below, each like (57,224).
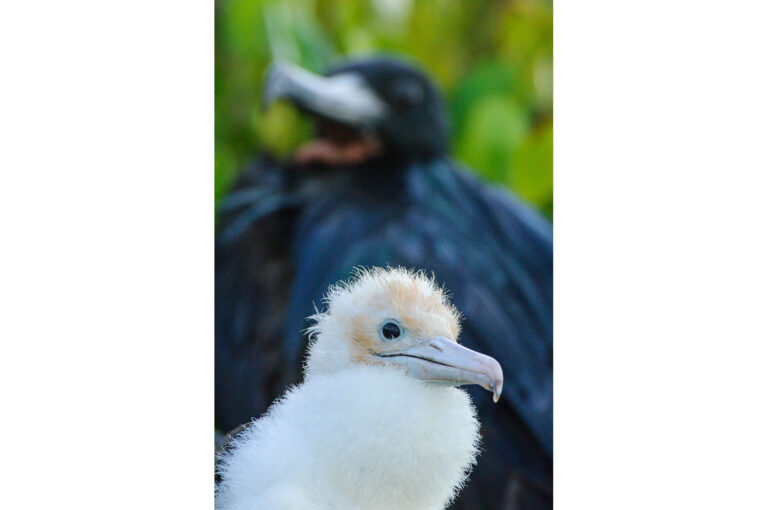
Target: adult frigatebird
(376,187)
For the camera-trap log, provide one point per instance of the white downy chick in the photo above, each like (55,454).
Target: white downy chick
(378,422)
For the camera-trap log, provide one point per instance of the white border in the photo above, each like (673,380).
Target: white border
(106,366)
(661,230)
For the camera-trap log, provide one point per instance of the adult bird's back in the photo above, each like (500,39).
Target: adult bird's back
(376,187)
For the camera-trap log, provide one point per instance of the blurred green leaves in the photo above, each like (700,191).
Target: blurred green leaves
(492,59)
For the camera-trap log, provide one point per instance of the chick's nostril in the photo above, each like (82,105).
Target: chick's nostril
(438,342)
(436,346)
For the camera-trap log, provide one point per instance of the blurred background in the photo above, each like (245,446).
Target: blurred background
(491,58)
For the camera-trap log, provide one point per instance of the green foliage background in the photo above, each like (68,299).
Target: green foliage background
(492,59)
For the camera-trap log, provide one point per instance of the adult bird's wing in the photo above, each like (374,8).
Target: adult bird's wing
(254,275)
(252,261)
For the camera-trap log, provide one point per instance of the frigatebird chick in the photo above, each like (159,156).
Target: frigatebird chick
(378,422)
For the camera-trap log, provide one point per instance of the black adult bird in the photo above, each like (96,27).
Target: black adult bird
(374,188)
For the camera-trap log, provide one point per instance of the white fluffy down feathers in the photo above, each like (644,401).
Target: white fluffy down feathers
(354,435)
(367,438)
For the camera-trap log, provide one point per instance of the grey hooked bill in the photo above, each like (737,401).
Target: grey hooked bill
(345,97)
(441,360)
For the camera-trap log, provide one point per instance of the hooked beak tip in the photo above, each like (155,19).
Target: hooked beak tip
(273,85)
(496,393)
(497,384)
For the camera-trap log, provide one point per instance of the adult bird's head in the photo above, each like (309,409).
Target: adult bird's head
(399,319)
(366,108)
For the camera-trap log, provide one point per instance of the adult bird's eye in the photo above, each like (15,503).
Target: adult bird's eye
(391,331)
(408,93)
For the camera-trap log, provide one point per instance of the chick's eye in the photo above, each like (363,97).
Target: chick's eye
(391,331)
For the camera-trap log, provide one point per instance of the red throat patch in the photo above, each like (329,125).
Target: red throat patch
(332,153)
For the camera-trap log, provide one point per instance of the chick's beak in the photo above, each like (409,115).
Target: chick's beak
(345,98)
(444,361)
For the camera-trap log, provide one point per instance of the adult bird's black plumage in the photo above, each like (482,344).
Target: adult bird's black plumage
(377,188)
